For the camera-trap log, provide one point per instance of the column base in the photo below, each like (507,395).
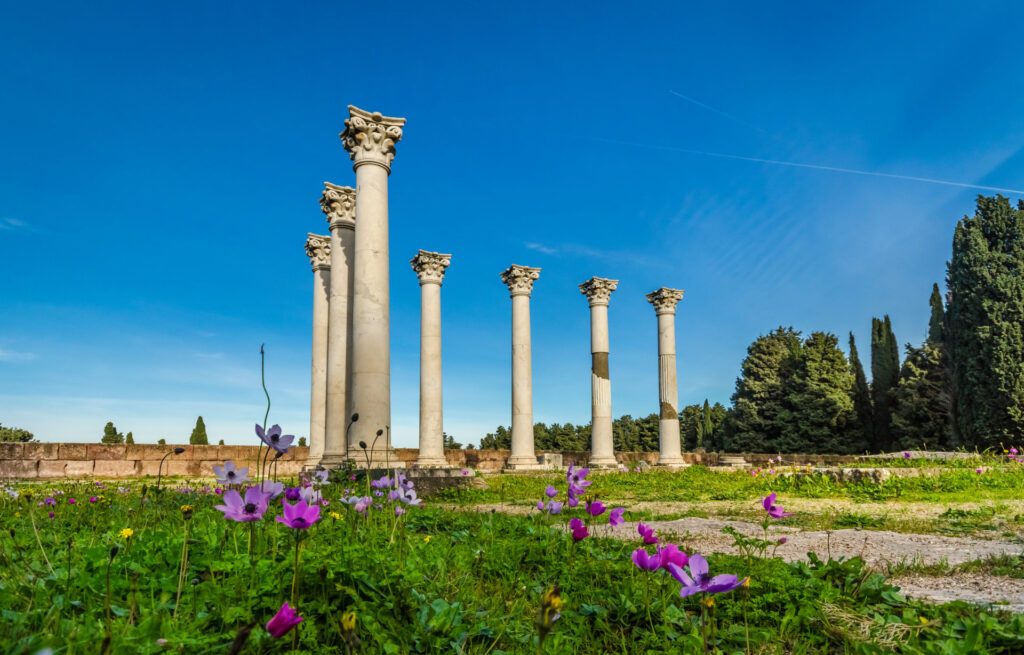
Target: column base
(433,463)
(525,463)
(672,462)
(605,461)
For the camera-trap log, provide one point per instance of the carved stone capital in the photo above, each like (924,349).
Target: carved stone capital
(598,290)
(338,203)
(318,249)
(430,266)
(665,300)
(370,138)
(519,279)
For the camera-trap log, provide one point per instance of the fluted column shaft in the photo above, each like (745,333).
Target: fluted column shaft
(318,248)
(602,444)
(520,280)
(370,139)
(430,267)
(338,204)
(664,301)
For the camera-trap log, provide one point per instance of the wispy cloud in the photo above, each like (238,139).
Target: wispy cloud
(817,167)
(210,355)
(15,356)
(541,248)
(7,223)
(715,110)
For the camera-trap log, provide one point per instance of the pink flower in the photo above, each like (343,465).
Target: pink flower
(979,470)
(595,508)
(93,499)
(774,511)
(646,533)
(71,501)
(615,517)
(645,561)
(299,516)
(670,554)
(282,623)
(578,529)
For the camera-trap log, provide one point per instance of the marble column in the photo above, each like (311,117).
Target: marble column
(338,204)
(519,280)
(318,248)
(370,140)
(664,301)
(602,450)
(430,268)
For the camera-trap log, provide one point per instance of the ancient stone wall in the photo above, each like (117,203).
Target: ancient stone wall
(79,460)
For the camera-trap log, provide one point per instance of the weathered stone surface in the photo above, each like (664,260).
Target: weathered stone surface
(79,468)
(201,453)
(105,451)
(147,467)
(237,454)
(109,468)
(52,468)
(11,450)
(146,451)
(174,467)
(41,451)
(18,468)
(73,451)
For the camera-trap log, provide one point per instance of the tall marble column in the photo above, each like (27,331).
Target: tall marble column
(602,450)
(318,248)
(430,268)
(370,139)
(338,204)
(664,301)
(519,280)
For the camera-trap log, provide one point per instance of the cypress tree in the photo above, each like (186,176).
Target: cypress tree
(707,427)
(819,400)
(921,401)
(199,433)
(985,324)
(863,430)
(129,438)
(937,321)
(111,435)
(885,374)
(759,415)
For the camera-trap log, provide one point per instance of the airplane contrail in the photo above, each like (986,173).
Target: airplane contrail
(817,167)
(715,110)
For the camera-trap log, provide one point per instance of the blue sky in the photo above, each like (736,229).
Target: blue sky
(161,164)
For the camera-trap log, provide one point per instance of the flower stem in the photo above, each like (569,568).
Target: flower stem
(295,574)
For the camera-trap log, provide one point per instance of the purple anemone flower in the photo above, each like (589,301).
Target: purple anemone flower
(670,554)
(702,582)
(774,511)
(321,476)
(282,623)
(541,506)
(50,501)
(293,494)
(245,510)
(555,507)
(906,454)
(311,495)
(231,474)
(399,510)
(646,533)
(551,492)
(578,529)
(272,489)
(384,482)
(362,504)
(595,508)
(573,501)
(299,516)
(645,561)
(615,516)
(274,438)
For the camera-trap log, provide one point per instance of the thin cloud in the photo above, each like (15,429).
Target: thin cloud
(715,110)
(210,355)
(15,356)
(817,167)
(12,224)
(541,248)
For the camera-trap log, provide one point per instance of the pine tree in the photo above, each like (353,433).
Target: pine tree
(302,442)
(921,408)
(861,400)
(129,438)
(199,433)
(707,427)
(759,415)
(885,375)
(111,435)
(819,402)
(161,441)
(690,428)
(985,324)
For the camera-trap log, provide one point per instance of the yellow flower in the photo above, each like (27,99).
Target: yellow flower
(335,516)
(709,602)
(186,511)
(127,533)
(348,621)
(746,582)
(427,539)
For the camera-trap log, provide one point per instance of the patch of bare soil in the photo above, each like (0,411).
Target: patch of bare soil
(999,591)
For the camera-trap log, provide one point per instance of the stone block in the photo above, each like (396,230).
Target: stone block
(148,467)
(19,469)
(182,467)
(111,468)
(202,453)
(105,451)
(237,454)
(81,468)
(73,451)
(11,450)
(145,451)
(52,468)
(41,451)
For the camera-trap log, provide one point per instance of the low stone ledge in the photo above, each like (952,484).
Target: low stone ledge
(105,451)
(73,450)
(41,451)
(19,468)
(10,450)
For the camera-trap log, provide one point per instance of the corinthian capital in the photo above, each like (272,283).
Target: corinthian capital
(519,279)
(370,138)
(318,249)
(430,266)
(665,299)
(338,203)
(598,290)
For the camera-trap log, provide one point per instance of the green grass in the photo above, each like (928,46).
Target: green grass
(431,581)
